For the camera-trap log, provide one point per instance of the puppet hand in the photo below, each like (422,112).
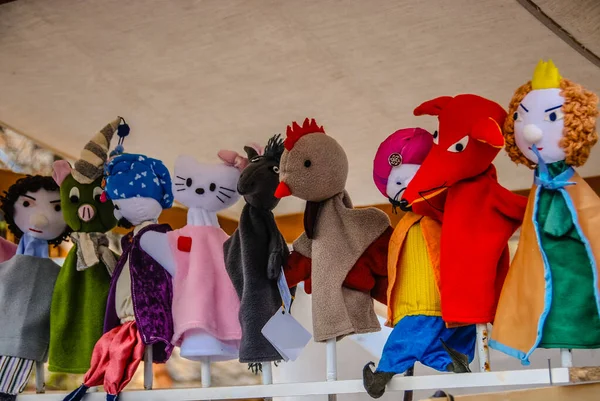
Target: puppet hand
(275,265)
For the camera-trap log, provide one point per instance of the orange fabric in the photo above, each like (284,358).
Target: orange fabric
(522,299)
(115,358)
(432,233)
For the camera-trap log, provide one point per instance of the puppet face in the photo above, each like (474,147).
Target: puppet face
(315,169)
(211,187)
(399,178)
(137,210)
(39,214)
(539,121)
(82,208)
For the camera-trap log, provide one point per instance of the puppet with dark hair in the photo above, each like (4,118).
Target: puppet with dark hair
(256,251)
(32,210)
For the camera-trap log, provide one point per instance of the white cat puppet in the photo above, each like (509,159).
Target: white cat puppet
(205,304)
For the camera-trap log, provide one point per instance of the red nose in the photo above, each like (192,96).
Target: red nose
(282,190)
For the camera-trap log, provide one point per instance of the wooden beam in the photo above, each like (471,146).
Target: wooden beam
(583,392)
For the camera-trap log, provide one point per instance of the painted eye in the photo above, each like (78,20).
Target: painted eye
(26,203)
(436,137)
(57,208)
(275,169)
(188,182)
(255,159)
(212,187)
(554,115)
(74,195)
(117,207)
(517,116)
(398,183)
(459,146)
(97,194)
(307,163)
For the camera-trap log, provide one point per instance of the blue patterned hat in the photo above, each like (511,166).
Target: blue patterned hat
(138,176)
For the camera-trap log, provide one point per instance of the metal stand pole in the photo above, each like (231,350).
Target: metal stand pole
(40,385)
(483,350)
(148,374)
(332,364)
(205,372)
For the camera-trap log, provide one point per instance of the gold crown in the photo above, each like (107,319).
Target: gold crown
(545,76)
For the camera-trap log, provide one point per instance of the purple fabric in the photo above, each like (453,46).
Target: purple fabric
(152,293)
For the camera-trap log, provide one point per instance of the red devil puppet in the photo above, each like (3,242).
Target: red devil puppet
(457,184)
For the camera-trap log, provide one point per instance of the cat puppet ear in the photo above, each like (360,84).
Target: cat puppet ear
(233,159)
(61,169)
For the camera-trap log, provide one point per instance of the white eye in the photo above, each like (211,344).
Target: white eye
(275,169)
(436,137)
(74,195)
(97,194)
(554,115)
(460,145)
(255,159)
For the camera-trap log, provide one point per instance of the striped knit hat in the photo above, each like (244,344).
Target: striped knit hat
(90,165)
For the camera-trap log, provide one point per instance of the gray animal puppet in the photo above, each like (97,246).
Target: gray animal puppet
(256,251)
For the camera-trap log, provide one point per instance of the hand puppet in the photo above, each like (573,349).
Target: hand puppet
(256,252)
(32,210)
(551,128)
(414,309)
(138,311)
(79,299)
(314,167)
(457,185)
(205,304)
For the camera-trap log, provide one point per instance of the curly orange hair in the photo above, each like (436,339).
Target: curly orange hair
(579,134)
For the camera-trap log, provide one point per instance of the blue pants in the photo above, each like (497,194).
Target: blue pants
(417,339)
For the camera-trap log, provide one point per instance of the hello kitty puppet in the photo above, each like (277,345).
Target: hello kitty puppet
(205,304)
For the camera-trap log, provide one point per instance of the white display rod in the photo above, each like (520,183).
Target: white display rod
(535,377)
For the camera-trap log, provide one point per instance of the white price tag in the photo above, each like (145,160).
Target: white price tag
(284,291)
(286,335)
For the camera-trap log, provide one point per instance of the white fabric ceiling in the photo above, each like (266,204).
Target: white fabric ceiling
(196,76)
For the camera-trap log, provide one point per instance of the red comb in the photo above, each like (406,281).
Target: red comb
(294,132)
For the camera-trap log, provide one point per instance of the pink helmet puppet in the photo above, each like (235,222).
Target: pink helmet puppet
(397,160)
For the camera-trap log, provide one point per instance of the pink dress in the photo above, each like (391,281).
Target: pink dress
(205,304)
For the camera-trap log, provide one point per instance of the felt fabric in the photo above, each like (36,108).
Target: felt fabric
(116,357)
(7,250)
(132,175)
(415,291)
(32,246)
(91,249)
(123,296)
(247,254)
(517,330)
(203,295)
(401,245)
(90,164)
(457,184)
(417,339)
(152,293)
(369,273)
(14,374)
(341,236)
(573,320)
(26,284)
(77,314)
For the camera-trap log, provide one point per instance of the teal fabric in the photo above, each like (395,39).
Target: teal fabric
(573,320)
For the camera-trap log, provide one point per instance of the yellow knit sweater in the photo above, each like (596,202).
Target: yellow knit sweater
(415,289)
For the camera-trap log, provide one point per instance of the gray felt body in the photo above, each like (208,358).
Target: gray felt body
(246,259)
(26,287)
